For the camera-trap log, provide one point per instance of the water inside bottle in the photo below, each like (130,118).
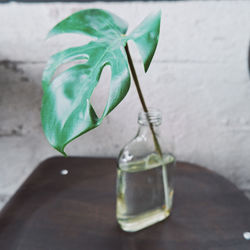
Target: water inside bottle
(144,193)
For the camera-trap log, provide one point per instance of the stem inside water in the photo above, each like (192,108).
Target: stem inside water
(145,109)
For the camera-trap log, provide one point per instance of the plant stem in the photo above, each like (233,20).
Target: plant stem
(144,106)
(145,109)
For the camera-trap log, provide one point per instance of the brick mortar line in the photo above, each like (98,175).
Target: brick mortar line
(7,61)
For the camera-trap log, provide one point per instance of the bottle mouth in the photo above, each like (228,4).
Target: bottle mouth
(153,116)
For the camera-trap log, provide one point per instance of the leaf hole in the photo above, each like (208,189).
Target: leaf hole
(100,94)
(63,67)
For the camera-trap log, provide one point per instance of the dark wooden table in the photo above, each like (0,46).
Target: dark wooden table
(52,211)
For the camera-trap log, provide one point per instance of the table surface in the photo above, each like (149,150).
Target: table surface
(52,211)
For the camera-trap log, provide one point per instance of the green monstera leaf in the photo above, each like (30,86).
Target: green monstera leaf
(66,109)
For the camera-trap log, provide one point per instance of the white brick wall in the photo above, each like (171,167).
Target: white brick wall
(199,79)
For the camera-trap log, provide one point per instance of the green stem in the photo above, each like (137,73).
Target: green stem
(144,106)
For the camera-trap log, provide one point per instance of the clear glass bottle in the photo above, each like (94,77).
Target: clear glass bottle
(144,177)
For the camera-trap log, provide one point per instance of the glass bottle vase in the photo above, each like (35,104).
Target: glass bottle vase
(144,177)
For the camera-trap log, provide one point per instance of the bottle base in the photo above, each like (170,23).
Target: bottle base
(139,222)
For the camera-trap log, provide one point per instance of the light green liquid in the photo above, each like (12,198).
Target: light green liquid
(144,196)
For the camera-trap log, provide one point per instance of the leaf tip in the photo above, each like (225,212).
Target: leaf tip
(61,150)
(50,34)
(159,13)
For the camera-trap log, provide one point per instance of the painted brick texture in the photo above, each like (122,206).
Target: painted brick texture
(199,79)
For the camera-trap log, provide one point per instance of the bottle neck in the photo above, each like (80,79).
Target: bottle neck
(146,131)
(147,119)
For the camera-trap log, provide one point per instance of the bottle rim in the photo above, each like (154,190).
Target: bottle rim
(153,116)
